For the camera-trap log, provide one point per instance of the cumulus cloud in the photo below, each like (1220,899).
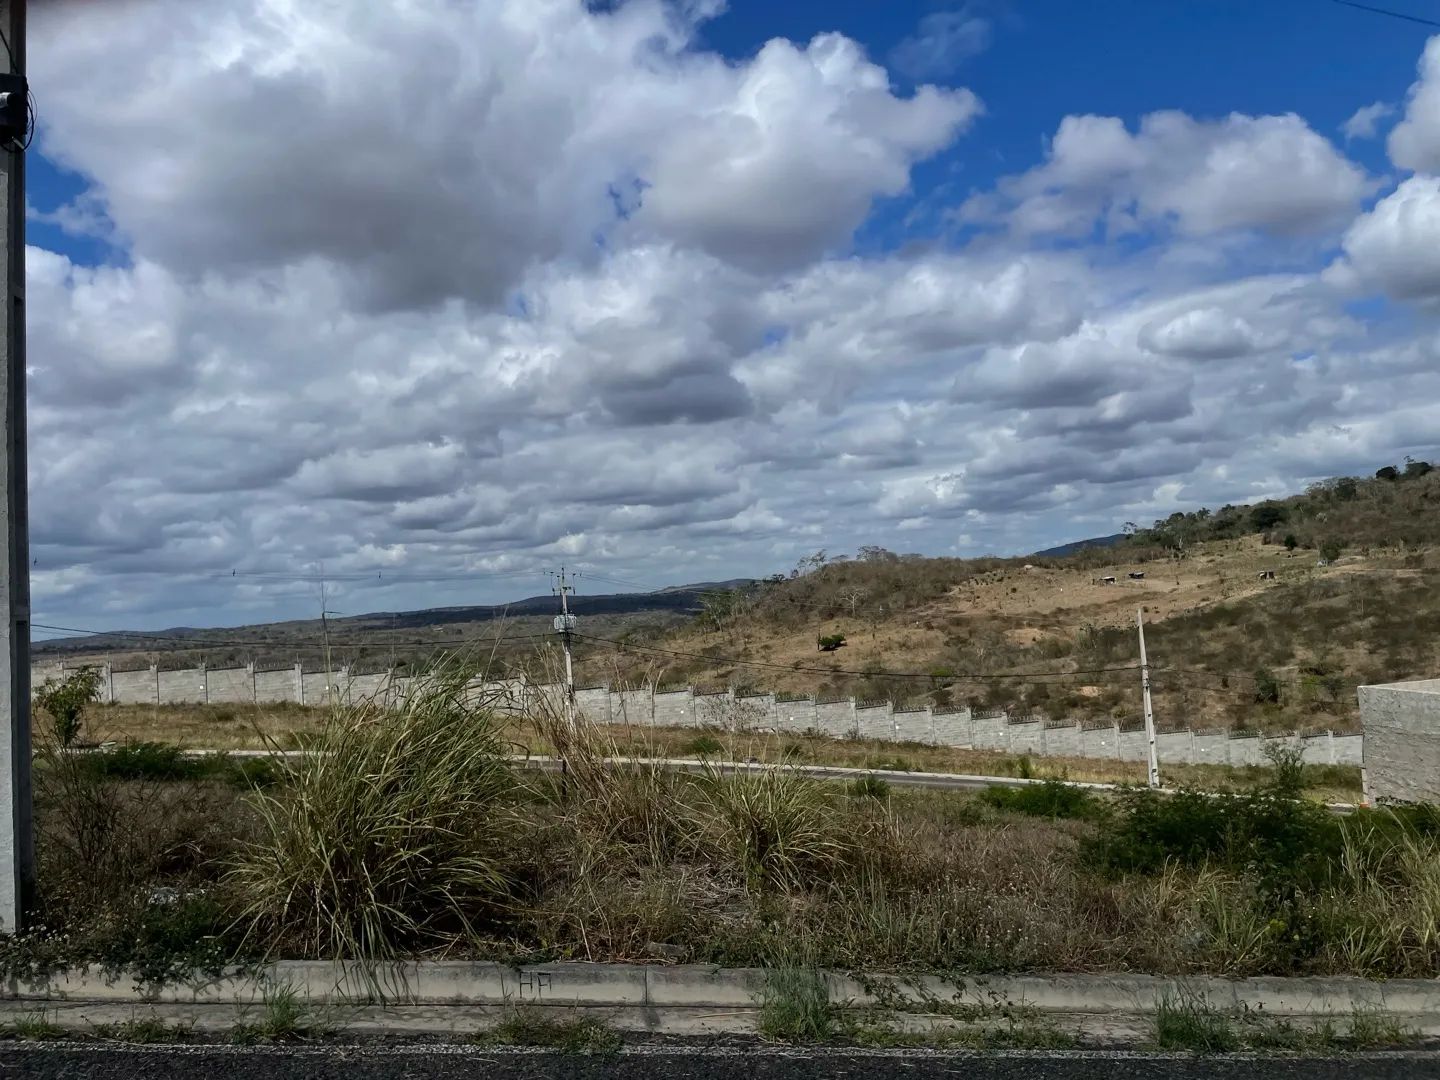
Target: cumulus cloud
(1268,173)
(569,286)
(1414,142)
(1394,246)
(520,131)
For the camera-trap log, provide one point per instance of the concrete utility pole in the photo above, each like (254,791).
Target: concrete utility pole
(1153,775)
(565,624)
(17,843)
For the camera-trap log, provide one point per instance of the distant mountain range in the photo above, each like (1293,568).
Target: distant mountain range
(677,599)
(1080,545)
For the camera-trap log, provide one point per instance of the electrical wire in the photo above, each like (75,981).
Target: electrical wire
(1387,11)
(960,677)
(201,642)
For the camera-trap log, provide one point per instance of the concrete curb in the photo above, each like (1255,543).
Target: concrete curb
(689,986)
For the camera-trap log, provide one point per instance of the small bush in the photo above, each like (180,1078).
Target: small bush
(704,746)
(830,642)
(870,787)
(1051,799)
(1267,687)
(66,700)
(143,761)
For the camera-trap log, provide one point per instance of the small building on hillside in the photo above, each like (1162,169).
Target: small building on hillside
(1401,755)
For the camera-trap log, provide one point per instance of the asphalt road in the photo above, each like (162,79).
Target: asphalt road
(269,1063)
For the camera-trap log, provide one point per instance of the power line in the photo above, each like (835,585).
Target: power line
(958,677)
(1386,11)
(254,643)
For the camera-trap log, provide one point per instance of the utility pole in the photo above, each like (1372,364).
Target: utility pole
(1153,776)
(325,638)
(17,842)
(565,626)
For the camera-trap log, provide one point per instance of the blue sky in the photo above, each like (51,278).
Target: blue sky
(952,278)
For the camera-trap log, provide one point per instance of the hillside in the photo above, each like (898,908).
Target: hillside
(1354,598)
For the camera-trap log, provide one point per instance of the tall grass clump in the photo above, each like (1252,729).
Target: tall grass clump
(389,837)
(780,829)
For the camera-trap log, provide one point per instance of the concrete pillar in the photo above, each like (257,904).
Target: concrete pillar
(1330,747)
(109,685)
(254,693)
(1044,737)
(155,681)
(1191,752)
(300,682)
(1009,739)
(204,682)
(1115,737)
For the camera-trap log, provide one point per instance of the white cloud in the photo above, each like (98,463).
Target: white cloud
(1364,122)
(1414,142)
(1396,246)
(520,132)
(1269,173)
(941,44)
(571,286)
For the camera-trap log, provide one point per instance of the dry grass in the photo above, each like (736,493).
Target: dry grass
(389,837)
(1338,784)
(216,727)
(205,727)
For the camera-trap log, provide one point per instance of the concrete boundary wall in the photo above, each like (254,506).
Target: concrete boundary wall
(685,707)
(1402,753)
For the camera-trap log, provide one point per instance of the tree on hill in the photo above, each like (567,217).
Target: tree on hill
(1267,516)
(1387,472)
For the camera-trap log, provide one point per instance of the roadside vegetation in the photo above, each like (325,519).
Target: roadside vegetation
(413,834)
(151,741)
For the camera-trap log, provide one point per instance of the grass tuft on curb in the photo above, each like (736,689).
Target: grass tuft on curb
(570,1035)
(795,1006)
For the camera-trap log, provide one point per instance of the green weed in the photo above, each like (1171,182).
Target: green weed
(285,1015)
(1188,1023)
(1373,1030)
(570,1035)
(1051,799)
(870,787)
(32,1027)
(795,1006)
(148,1029)
(704,746)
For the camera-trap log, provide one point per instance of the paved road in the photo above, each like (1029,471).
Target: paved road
(197,1063)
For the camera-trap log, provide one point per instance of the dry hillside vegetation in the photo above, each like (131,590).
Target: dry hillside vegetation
(1355,598)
